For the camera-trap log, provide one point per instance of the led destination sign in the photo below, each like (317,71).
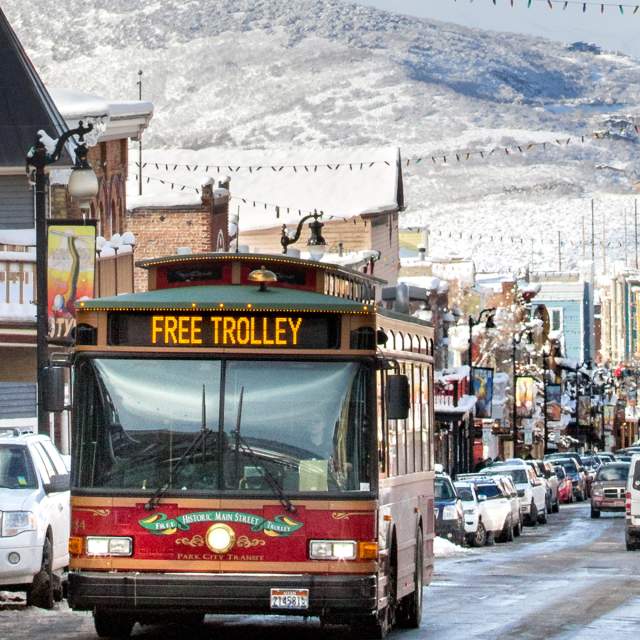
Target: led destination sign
(225,330)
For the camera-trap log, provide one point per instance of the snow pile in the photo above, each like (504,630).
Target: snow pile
(301,74)
(443,548)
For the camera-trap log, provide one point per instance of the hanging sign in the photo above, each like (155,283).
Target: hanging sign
(554,401)
(482,389)
(225,330)
(71,260)
(525,396)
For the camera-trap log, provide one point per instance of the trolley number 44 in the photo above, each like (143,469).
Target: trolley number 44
(289,598)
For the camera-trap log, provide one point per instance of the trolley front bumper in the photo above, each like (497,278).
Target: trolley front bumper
(149,593)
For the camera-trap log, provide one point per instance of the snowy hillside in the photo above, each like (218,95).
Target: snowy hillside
(306,74)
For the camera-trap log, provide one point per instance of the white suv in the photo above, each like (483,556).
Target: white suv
(34,516)
(531,491)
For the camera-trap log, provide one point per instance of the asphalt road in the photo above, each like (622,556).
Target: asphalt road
(570,579)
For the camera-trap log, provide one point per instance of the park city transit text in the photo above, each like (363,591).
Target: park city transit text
(279,331)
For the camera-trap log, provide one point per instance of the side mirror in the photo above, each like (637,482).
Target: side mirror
(58,483)
(53,378)
(397,397)
(482,498)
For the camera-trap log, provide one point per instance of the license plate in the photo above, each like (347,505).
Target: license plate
(289,598)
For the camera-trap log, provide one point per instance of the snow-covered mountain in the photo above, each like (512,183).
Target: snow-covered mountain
(303,74)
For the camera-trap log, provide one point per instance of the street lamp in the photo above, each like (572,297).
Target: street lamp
(83,184)
(316,243)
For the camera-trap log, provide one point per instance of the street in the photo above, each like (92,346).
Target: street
(569,579)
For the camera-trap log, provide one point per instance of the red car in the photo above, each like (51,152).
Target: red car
(565,488)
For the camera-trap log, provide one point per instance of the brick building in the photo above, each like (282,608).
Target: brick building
(198,225)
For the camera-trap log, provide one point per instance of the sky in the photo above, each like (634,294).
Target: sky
(609,30)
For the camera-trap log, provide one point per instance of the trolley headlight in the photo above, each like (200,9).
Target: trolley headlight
(103,546)
(333,549)
(15,522)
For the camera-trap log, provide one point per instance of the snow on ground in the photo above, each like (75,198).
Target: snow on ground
(443,548)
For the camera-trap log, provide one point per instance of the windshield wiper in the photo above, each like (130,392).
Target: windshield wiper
(201,436)
(268,476)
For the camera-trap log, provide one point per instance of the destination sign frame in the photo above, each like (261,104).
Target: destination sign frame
(224,330)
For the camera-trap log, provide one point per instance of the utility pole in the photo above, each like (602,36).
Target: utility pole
(140,137)
(559,252)
(604,245)
(593,233)
(584,240)
(625,237)
(635,212)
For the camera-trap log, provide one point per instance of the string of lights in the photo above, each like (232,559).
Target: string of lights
(580,4)
(441,157)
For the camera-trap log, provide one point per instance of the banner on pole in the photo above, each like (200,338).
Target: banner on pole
(554,401)
(525,396)
(71,261)
(482,389)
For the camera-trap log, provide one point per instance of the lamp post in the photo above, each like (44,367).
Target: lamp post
(83,184)
(316,243)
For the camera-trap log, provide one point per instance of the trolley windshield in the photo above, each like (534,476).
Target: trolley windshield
(215,426)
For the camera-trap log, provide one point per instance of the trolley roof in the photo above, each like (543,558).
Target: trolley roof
(228,298)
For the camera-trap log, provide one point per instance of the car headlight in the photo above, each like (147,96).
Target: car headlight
(103,546)
(450,512)
(15,522)
(333,549)
(597,491)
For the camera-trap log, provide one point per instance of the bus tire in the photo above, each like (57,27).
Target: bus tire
(411,605)
(111,624)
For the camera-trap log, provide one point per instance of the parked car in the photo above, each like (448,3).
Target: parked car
(632,505)
(510,490)
(609,487)
(549,480)
(554,484)
(531,491)
(475,515)
(565,488)
(491,493)
(34,515)
(606,456)
(448,510)
(578,478)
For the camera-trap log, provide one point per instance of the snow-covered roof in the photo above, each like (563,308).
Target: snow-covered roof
(342,183)
(120,119)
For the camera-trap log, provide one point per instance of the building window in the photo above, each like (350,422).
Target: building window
(556,319)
